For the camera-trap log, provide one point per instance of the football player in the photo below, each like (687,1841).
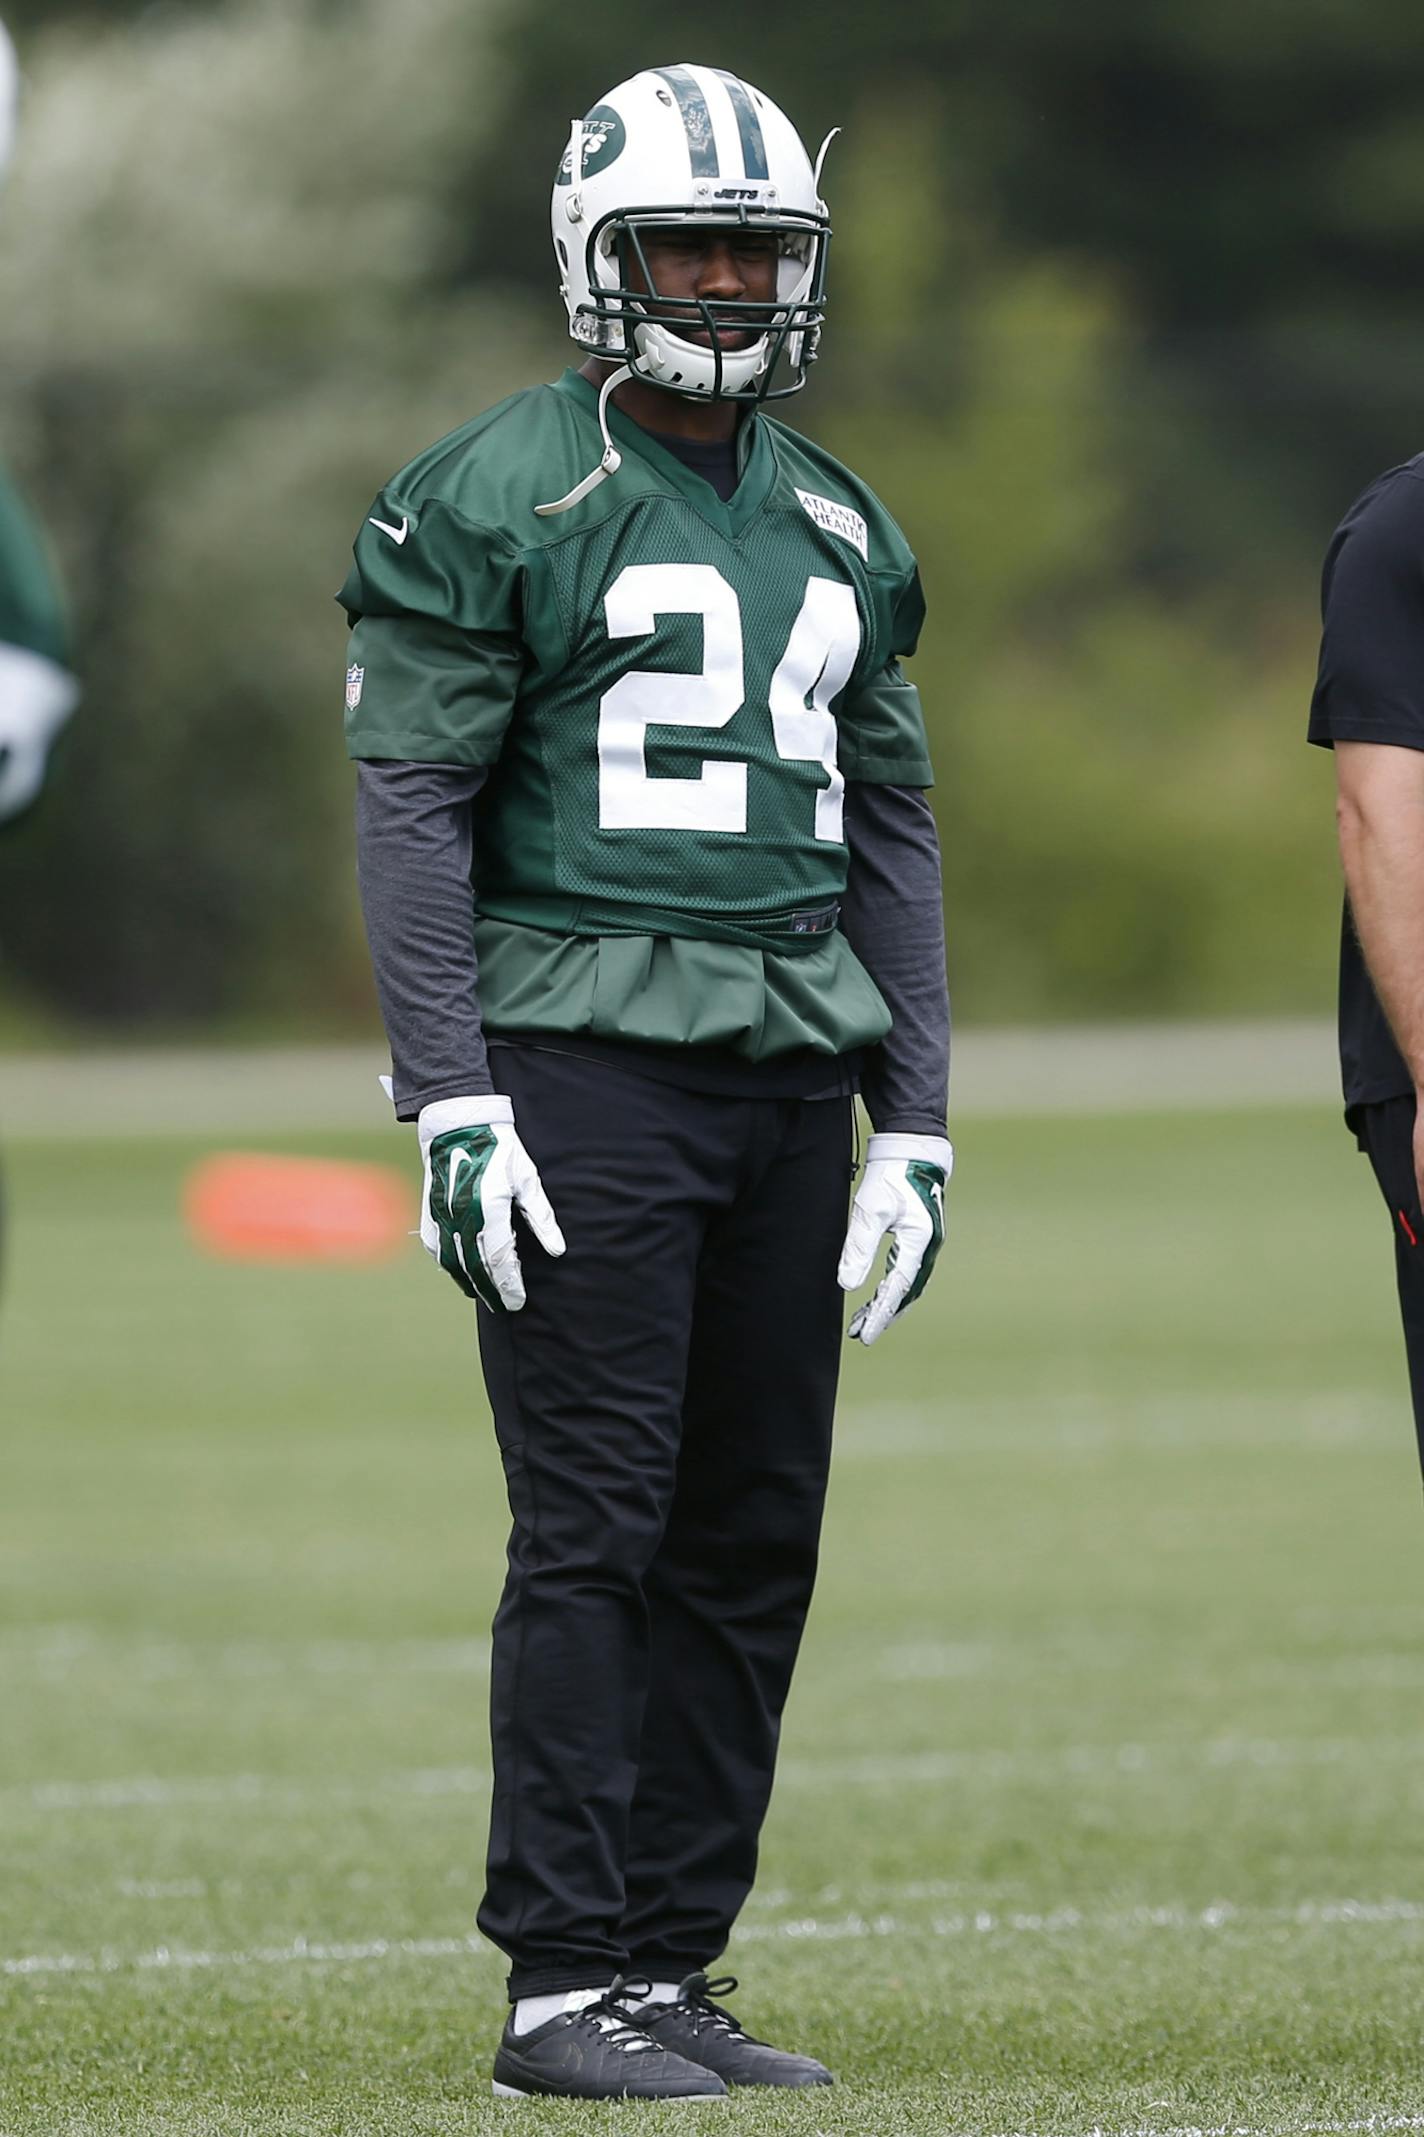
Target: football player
(626,658)
(37,692)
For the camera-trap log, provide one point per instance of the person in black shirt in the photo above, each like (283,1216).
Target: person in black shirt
(1369,708)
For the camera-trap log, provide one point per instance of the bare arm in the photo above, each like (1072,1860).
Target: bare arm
(1380,812)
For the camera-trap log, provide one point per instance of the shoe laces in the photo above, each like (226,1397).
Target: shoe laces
(616,2025)
(695,1996)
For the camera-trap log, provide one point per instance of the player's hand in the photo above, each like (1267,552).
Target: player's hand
(901,1192)
(477,1172)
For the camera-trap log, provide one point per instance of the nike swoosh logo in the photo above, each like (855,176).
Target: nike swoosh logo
(457,1158)
(397,534)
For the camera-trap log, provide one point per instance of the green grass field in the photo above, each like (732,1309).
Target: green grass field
(1103,1784)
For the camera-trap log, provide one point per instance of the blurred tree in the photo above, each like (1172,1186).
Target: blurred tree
(1129,819)
(224,325)
(1121,313)
(1255,175)
(22,16)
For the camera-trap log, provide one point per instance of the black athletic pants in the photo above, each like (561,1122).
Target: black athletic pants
(663,1405)
(1386,1133)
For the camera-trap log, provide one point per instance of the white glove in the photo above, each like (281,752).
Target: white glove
(901,1192)
(476,1171)
(36,698)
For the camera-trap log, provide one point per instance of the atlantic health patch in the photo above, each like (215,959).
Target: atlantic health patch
(837,519)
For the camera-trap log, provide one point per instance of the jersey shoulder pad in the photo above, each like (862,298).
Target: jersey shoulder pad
(845,506)
(826,488)
(449,534)
(446,535)
(494,469)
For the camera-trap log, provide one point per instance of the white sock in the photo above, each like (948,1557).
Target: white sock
(532,2011)
(660,1992)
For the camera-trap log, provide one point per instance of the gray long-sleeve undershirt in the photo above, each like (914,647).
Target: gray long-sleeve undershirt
(414,853)
(892,915)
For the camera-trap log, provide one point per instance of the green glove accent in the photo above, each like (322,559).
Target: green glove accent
(928,1183)
(458,1162)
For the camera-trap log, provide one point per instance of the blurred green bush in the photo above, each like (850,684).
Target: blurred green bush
(254,257)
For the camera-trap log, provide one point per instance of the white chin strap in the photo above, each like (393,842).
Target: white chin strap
(669,360)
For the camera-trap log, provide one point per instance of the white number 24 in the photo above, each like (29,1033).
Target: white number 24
(816,666)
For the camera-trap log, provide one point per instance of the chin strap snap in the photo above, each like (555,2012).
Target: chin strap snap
(612,459)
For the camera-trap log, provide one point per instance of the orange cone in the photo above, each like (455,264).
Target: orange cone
(244,1206)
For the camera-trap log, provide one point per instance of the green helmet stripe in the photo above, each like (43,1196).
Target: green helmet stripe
(748,124)
(696,120)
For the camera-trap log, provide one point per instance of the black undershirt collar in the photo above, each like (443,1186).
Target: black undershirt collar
(715,460)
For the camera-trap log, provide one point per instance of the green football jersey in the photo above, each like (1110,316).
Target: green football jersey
(31,614)
(671,690)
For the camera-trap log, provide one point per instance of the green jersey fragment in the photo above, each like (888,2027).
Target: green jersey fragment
(31,613)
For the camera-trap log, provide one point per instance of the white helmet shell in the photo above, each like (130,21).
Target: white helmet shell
(9,97)
(672,146)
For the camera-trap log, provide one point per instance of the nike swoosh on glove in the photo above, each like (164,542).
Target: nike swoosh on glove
(901,1192)
(477,1172)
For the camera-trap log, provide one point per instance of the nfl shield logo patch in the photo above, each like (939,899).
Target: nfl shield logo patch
(355,677)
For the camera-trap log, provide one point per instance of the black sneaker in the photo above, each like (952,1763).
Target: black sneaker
(599,2053)
(702,2032)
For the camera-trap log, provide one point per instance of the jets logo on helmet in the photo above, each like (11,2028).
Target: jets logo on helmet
(603,138)
(696,146)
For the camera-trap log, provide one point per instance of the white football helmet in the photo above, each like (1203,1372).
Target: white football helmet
(9,97)
(683,145)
